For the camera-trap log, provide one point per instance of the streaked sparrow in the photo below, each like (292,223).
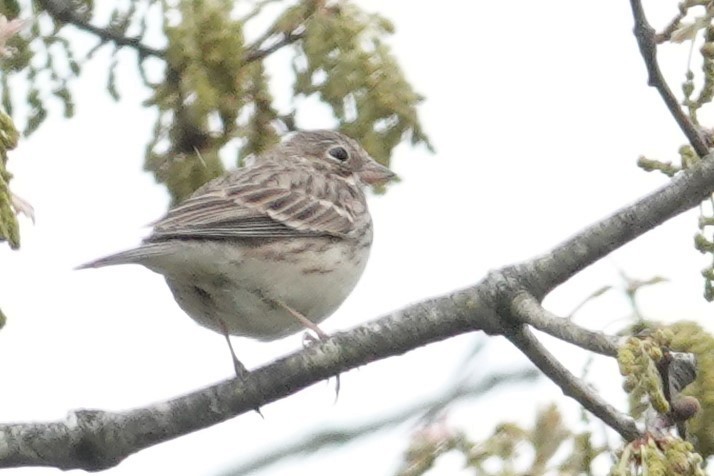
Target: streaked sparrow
(270,248)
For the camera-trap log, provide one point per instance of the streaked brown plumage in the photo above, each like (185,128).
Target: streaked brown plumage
(267,249)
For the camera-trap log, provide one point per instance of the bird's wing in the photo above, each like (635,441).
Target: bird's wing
(263,201)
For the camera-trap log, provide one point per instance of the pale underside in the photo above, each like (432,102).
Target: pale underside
(219,284)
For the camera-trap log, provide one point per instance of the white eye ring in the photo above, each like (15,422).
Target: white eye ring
(339,153)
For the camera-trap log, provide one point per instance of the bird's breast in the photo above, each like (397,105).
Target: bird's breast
(248,288)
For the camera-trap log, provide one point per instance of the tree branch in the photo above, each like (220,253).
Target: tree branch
(500,304)
(255,53)
(63,11)
(572,386)
(528,310)
(95,440)
(647,41)
(686,190)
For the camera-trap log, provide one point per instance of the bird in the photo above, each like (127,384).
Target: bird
(270,248)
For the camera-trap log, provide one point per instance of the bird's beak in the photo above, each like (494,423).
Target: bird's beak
(376,174)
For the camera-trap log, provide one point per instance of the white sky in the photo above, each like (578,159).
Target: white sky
(538,111)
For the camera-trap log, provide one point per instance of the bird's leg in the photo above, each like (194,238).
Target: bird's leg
(241,371)
(306,322)
(321,335)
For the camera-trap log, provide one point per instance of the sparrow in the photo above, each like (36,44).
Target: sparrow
(270,248)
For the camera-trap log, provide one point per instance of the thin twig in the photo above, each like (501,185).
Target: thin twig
(255,53)
(327,437)
(63,11)
(257,9)
(595,294)
(647,41)
(672,26)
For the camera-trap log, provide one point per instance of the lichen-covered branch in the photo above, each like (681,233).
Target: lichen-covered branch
(94,440)
(102,439)
(685,191)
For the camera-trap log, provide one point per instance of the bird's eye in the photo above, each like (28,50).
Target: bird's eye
(339,153)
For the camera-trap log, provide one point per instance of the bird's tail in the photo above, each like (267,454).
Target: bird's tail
(134,256)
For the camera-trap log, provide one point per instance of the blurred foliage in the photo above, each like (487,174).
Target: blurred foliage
(348,65)
(10,204)
(691,337)
(470,381)
(9,228)
(547,447)
(205,82)
(258,131)
(645,359)
(692,23)
(43,61)
(215,93)
(638,359)
(668,456)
